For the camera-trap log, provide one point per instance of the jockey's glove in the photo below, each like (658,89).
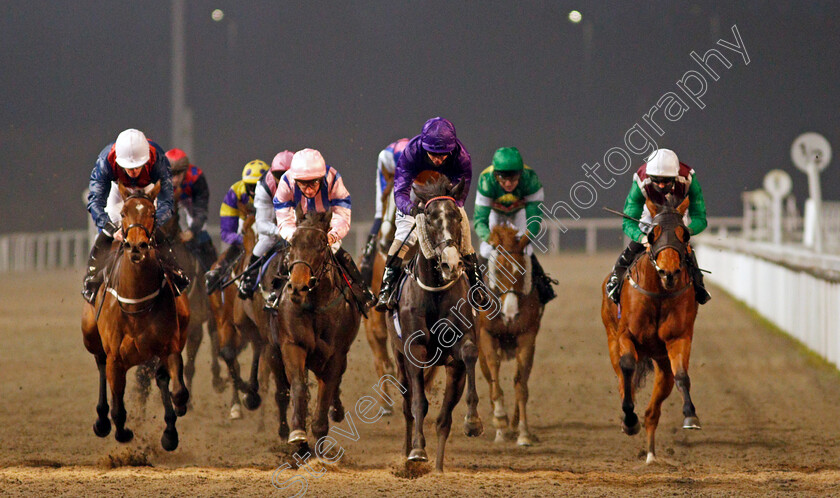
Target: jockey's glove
(417,209)
(110,229)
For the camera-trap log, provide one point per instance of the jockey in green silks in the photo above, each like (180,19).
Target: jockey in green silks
(662,175)
(510,192)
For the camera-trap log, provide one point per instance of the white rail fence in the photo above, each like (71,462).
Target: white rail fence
(792,287)
(70,248)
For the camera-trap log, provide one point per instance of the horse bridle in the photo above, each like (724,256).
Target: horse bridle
(149,233)
(668,239)
(314,277)
(447,242)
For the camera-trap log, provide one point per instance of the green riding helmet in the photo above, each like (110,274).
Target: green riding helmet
(507,159)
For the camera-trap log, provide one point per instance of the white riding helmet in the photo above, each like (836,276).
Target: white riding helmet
(307,164)
(132,149)
(663,162)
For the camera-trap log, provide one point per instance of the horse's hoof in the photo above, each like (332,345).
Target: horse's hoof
(181,398)
(180,410)
(102,427)
(650,458)
(219,385)
(236,412)
(524,440)
(169,440)
(631,430)
(124,435)
(417,455)
(500,436)
(297,436)
(252,400)
(691,423)
(337,416)
(473,428)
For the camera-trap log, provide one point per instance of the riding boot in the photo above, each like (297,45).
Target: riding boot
(366,268)
(249,279)
(613,288)
(700,293)
(171,268)
(387,295)
(213,278)
(277,285)
(542,281)
(207,252)
(360,289)
(98,253)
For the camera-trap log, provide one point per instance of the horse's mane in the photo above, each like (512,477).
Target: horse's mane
(314,219)
(435,187)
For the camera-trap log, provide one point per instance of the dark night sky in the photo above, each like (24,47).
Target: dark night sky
(349,77)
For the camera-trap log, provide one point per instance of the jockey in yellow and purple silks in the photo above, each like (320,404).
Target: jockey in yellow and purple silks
(312,185)
(386,165)
(240,193)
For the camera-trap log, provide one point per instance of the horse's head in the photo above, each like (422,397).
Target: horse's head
(439,227)
(249,216)
(138,221)
(506,265)
(308,252)
(668,238)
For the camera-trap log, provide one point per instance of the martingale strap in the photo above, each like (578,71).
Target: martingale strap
(126,300)
(658,295)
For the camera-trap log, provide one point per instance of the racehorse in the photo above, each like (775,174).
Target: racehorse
(231,341)
(654,324)
(136,317)
(514,334)
(315,324)
(430,326)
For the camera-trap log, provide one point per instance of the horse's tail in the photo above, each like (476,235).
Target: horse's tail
(643,367)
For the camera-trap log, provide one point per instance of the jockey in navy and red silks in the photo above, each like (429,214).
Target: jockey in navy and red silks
(437,148)
(134,162)
(193,195)
(662,175)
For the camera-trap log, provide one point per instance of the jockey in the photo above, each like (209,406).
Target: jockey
(313,185)
(661,175)
(194,197)
(510,192)
(437,148)
(385,167)
(268,233)
(241,192)
(134,162)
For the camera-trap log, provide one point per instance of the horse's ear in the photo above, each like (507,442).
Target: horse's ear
(652,208)
(459,188)
(683,207)
(523,242)
(298,213)
(124,192)
(155,191)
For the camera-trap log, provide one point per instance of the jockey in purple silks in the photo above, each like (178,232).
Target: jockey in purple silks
(438,149)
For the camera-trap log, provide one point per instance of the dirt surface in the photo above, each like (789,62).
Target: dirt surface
(769,414)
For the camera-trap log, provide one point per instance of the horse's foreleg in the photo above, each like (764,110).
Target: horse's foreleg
(169,439)
(663,383)
(627,365)
(294,361)
(472,421)
(215,368)
(281,396)
(382,363)
(193,343)
(116,378)
(419,409)
(679,351)
(455,380)
(409,420)
(489,361)
(524,362)
(102,426)
(180,393)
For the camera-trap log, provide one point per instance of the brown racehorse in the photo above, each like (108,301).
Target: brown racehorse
(436,325)
(514,333)
(135,318)
(655,323)
(231,341)
(315,324)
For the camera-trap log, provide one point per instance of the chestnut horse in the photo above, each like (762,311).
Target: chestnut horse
(514,334)
(436,324)
(315,324)
(654,324)
(135,318)
(231,340)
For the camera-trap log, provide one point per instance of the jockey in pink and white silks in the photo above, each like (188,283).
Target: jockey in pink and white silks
(313,185)
(386,165)
(268,233)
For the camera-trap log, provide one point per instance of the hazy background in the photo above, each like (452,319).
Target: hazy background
(350,77)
